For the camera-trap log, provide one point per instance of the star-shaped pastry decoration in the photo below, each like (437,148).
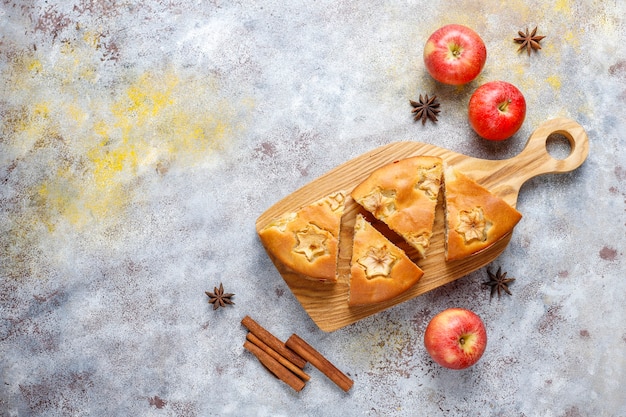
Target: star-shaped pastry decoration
(472,224)
(380,202)
(311,242)
(377,262)
(336,200)
(499,282)
(430,182)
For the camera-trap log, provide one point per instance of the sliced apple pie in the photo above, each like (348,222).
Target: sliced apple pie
(307,240)
(475,217)
(403,194)
(379,270)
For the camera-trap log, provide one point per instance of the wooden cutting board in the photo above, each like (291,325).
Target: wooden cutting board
(326,303)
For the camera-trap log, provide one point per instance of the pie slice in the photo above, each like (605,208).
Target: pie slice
(475,218)
(379,270)
(307,240)
(403,195)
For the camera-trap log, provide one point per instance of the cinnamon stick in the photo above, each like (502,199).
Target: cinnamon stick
(275,367)
(307,352)
(273,342)
(283,361)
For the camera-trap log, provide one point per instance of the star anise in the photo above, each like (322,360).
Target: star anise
(219,298)
(498,282)
(528,40)
(426,108)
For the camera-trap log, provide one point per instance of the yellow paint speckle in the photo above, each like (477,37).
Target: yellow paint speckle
(34,65)
(147,97)
(99,139)
(562,6)
(107,161)
(92,38)
(57,196)
(554,81)
(76,113)
(41,109)
(101,128)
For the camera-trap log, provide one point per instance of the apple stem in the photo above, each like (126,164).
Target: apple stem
(462,341)
(504,105)
(456,50)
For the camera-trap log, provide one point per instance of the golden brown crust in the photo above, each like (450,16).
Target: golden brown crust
(403,194)
(379,270)
(475,218)
(307,240)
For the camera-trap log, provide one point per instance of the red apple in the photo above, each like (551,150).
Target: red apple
(456,338)
(454,54)
(497,110)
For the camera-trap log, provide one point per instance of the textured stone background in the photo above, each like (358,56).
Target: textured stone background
(141,140)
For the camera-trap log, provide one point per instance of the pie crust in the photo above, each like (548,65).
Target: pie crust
(307,240)
(403,194)
(475,217)
(379,270)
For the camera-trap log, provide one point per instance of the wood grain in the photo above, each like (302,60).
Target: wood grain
(327,305)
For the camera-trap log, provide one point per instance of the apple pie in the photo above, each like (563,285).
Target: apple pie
(475,217)
(379,270)
(307,240)
(403,195)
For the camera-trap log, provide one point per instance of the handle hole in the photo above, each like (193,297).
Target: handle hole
(559,146)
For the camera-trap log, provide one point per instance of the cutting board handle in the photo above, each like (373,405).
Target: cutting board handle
(537,160)
(506,176)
